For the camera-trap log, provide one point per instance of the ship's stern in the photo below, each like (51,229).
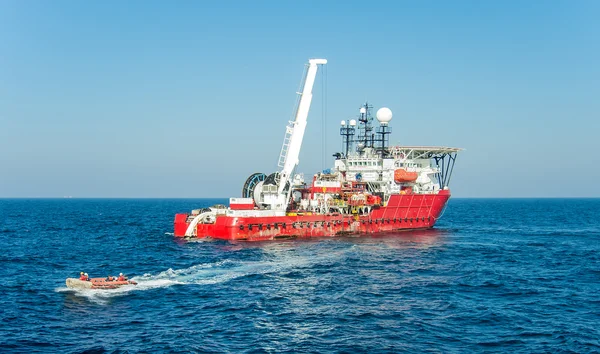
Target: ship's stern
(181,224)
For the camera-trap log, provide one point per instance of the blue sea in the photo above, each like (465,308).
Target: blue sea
(495,275)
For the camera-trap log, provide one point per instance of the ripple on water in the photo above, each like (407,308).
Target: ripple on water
(487,279)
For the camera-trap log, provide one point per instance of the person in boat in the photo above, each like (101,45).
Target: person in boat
(121,277)
(110,278)
(82,276)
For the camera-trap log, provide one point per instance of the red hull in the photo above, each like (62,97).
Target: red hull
(402,212)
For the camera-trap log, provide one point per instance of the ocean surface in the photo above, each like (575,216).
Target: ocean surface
(495,275)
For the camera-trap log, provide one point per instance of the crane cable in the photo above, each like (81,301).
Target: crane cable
(323,116)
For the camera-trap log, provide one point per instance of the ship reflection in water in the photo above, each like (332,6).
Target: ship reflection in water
(411,239)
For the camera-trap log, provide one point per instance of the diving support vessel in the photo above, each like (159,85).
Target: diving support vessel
(373,187)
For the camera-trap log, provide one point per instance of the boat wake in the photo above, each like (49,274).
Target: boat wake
(200,274)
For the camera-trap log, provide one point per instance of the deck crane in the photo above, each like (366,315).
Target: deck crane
(294,134)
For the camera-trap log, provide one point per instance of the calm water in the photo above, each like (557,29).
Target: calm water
(495,275)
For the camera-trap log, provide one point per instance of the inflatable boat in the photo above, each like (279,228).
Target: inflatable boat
(97,283)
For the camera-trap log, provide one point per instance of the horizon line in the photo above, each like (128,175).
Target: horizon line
(510,197)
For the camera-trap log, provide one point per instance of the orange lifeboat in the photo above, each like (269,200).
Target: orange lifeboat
(401,175)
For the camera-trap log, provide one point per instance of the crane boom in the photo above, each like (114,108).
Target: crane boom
(296,128)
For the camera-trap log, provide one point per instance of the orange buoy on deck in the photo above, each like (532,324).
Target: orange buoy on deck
(401,175)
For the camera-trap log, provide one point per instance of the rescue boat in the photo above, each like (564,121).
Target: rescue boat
(97,283)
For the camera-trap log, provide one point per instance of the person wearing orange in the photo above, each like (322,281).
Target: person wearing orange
(82,276)
(121,277)
(110,278)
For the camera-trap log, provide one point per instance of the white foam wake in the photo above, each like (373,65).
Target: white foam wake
(201,274)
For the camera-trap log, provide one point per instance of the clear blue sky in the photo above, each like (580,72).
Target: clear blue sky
(188,98)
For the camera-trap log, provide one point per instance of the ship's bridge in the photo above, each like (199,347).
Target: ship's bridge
(363,163)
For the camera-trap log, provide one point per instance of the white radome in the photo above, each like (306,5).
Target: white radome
(363,110)
(343,123)
(384,115)
(352,122)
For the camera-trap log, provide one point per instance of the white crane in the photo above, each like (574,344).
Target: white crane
(294,135)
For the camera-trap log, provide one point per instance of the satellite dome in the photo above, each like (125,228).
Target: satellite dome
(352,122)
(343,123)
(363,110)
(384,115)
